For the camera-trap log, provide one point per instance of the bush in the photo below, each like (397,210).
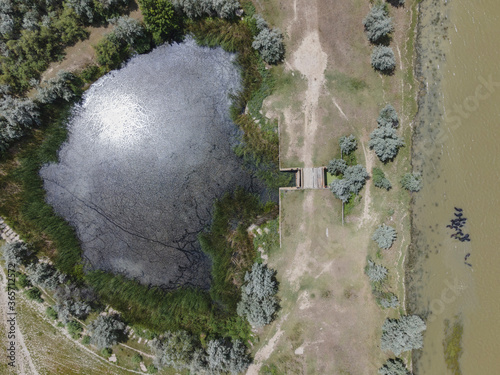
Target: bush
(258,302)
(152,369)
(269,43)
(377,23)
(106,352)
(412,182)
(383,59)
(23,281)
(34,294)
(356,176)
(86,340)
(137,358)
(336,167)
(223,357)
(15,253)
(105,331)
(385,142)
(110,53)
(379,179)
(389,301)
(74,329)
(160,18)
(56,88)
(347,144)
(375,272)
(51,313)
(400,335)
(394,367)
(131,33)
(45,275)
(388,117)
(384,236)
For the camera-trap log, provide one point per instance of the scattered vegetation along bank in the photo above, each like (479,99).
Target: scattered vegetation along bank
(210,314)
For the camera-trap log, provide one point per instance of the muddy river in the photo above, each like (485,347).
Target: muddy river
(456,147)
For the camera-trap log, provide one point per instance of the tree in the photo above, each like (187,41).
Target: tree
(175,350)
(258,302)
(83,8)
(269,43)
(223,357)
(385,142)
(347,144)
(74,329)
(356,177)
(34,294)
(377,23)
(379,179)
(15,253)
(109,52)
(200,8)
(132,33)
(340,188)
(51,313)
(260,22)
(412,182)
(400,335)
(336,167)
(394,367)
(384,236)
(56,88)
(160,18)
(105,331)
(388,117)
(383,59)
(45,275)
(375,272)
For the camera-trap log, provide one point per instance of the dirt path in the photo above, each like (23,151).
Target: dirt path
(366,217)
(311,61)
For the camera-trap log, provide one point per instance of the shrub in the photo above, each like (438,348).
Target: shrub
(51,313)
(109,52)
(45,275)
(383,59)
(152,369)
(377,23)
(400,335)
(15,253)
(384,236)
(379,179)
(347,144)
(269,43)
(385,142)
(22,280)
(336,167)
(389,301)
(340,188)
(412,182)
(106,352)
(105,331)
(86,340)
(258,302)
(375,272)
(137,358)
(132,33)
(200,8)
(74,329)
(160,18)
(394,367)
(388,117)
(56,88)
(34,294)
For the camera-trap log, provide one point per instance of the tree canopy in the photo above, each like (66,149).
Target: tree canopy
(377,23)
(400,335)
(385,141)
(383,59)
(384,236)
(347,144)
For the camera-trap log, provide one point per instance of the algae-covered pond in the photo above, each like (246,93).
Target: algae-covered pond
(149,149)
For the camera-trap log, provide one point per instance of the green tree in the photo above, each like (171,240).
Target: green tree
(51,313)
(375,272)
(175,349)
(384,236)
(105,331)
(34,294)
(74,329)
(356,177)
(377,23)
(160,18)
(400,335)
(388,117)
(412,182)
(110,52)
(383,59)
(15,253)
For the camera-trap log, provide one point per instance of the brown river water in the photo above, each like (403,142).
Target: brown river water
(457,150)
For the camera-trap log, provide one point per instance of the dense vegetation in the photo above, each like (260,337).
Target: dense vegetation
(400,335)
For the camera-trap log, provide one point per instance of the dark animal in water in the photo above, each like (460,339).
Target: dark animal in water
(467,256)
(459,214)
(470,265)
(449,226)
(458,209)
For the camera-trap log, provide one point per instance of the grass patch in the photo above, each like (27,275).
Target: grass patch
(342,82)
(452,345)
